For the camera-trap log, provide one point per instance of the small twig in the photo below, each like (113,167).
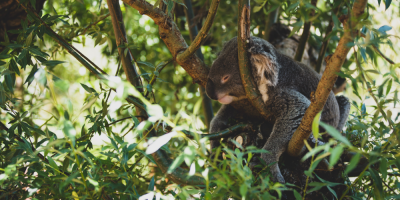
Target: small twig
(379,52)
(129,130)
(94,23)
(231,131)
(46,122)
(116,74)
(154,77)
(354,182)
(391,189)
(119,120)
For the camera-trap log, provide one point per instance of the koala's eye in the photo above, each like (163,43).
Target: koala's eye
(225,78)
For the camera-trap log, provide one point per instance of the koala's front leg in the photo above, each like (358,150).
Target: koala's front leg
(220,122)
(289,107)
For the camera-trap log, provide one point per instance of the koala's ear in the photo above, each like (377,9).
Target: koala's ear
(263,58)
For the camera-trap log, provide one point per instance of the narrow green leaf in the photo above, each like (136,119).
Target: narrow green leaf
(335,155)
(387,3)
(170,5)
(378,183)
(53,164)
(243,190)
(353,163)
(28,40)
(151,185)
(177,162)
(315,125)
(335,134)
(88,89)
(383,167)
(146,64)
(297,195)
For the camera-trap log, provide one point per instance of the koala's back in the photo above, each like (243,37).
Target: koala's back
(297,76)
(304,79)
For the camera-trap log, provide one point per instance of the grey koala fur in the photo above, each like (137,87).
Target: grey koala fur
(285,86)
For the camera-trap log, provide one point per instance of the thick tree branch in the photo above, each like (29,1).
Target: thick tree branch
(304,37)
(163,162)
(243,38)
(328,79)
(196,43)
(171,36)
(206,101)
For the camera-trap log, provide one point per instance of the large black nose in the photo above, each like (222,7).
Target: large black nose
(210,89)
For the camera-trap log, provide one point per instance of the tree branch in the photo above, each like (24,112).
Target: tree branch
(304,37)
(272,18)
(171,36)
(120,37)
(163,162)
(324,46)
(328,79)
(243,38)
(74,52)
(206,101)
(233,130)
(196,43)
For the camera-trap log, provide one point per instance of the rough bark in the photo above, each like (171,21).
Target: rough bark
(172,37)
(328,79)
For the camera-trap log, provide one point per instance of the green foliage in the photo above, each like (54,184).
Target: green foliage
(71,135)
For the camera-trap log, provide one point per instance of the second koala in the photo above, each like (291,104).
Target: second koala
(285,86)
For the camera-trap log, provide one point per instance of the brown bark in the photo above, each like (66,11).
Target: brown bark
(328,79)
(172,37)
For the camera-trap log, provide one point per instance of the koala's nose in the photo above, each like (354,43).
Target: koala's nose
(210,90)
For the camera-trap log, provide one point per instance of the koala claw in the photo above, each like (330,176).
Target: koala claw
(276,174)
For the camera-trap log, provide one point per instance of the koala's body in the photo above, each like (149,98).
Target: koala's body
(285,86)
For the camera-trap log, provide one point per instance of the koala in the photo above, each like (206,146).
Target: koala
(285,86)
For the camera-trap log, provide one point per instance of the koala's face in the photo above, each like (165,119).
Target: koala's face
(224,83)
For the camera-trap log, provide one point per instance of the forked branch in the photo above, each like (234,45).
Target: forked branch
(172,37)
(196,43)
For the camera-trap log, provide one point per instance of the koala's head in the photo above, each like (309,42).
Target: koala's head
(224,83)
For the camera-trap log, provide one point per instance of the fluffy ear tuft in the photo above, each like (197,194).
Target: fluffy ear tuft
(264,60)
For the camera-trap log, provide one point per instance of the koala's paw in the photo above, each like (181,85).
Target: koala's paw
(217,125)
(275,171)
(276,174)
